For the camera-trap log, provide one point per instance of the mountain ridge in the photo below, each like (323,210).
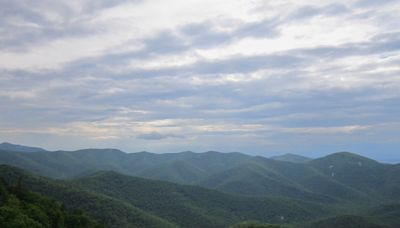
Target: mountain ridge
(20,148)
(289,157)
(151,202)
(210,186)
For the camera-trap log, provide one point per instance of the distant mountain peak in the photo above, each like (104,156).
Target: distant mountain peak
(291,158)
(19,148)
(341,159)
(349,156)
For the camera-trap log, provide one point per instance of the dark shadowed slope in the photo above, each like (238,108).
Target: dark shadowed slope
(107,211)
(388,214)
(347,221)
(20,207)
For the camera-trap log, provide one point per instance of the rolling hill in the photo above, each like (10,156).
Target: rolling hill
(105,210)
(118,200)
(20,207)
(192,206)
(266,177)
(335,178)
(362,174)
(212,189)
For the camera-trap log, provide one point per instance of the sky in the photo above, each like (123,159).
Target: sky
(261,77)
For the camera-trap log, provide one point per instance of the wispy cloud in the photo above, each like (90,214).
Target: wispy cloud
(252,76)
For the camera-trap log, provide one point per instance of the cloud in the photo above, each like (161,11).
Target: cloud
(304,76)
(90,6)
(371,3)
(309,11)
(23,24)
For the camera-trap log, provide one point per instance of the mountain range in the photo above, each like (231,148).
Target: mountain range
(212,189)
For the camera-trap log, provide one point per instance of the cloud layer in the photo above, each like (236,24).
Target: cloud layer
(260,77)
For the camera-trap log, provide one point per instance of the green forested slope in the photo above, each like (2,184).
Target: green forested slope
(108,211)
(118,200)
(266,177)
(346,221)
(377,181)
(197,207)
(20,207)
(335,178)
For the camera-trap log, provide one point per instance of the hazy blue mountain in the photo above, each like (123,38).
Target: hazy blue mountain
(189,167)
(68,164)
(291,158)
(19,148)
(337,178)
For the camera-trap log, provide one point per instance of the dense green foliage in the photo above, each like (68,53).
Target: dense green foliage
(346,221)
(107,211)
(22,208)
(119,201)
(388,214)
(255,224)
(190,206)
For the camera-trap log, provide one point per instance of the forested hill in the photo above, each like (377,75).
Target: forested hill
(182,167)
(19,207)
(115,200)
(335,178)
(211,189)
(121,201)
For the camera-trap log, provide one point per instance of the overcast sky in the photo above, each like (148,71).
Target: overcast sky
(261,77)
